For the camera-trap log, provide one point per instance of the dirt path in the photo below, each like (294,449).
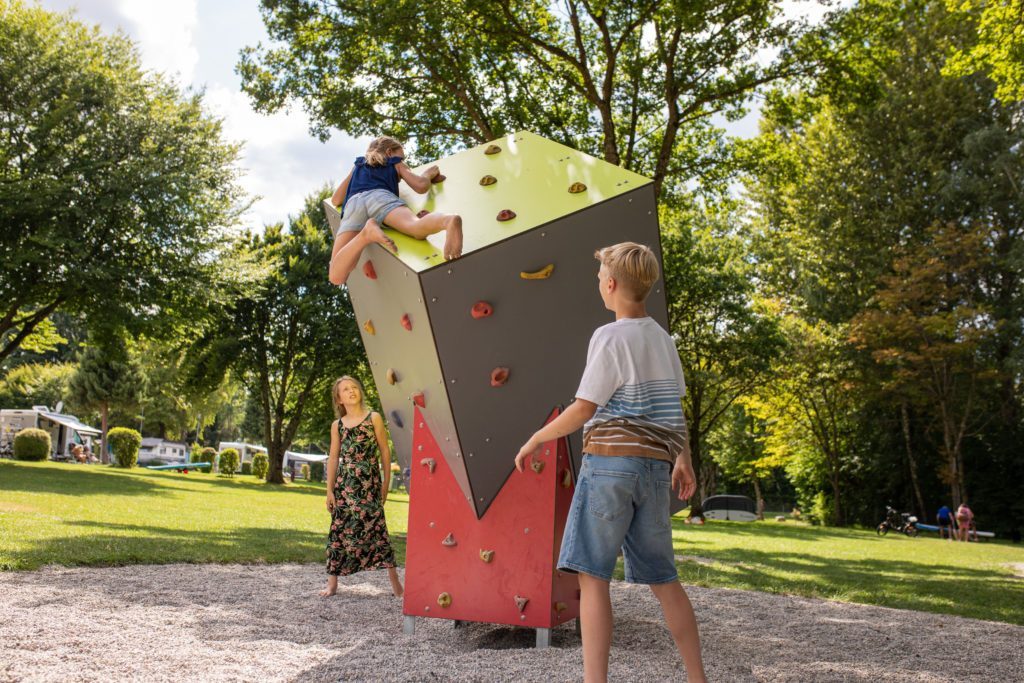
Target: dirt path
(264,623)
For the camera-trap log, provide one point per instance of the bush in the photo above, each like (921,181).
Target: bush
(821,512)
(193,452)
(260,465)
(305,471)
(32,444)
(246,468)
(208,455)
(318,471)
(124,444)
(228,462)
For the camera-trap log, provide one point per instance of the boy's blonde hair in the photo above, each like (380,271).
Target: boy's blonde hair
(633,266)
(339,407)
(380,149)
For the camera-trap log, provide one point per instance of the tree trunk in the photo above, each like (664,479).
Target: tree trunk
(905,418)
(275,453)
(837,501)
(104,455)
(696,508)
(760,500)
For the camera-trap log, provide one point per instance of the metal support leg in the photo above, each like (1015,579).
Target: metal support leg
(409,625)
(543,638)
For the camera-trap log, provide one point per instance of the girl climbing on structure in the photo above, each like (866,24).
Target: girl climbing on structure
(358,538)
(368,198)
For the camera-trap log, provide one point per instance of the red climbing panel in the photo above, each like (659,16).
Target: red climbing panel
(484,565)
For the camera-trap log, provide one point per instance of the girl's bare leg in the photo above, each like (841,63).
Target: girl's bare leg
(403,220)
(349,245)
(682,623)
(332,586)
(396,583)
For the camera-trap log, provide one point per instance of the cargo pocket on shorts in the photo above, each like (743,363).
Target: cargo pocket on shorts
(611,493)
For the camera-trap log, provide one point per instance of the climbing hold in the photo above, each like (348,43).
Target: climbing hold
(521,602)
(392,376)
(396,418)
(369,271)
(499,376)
(439,178)
(430,463)
(506,215)
(444,599)
(368,326)
(560,607)
(542,274)
(486,555)
(419,400)
(488,180)
(422,213)
(449,540)
(407,322)
(576,188)
(481,309)
(566,478)
(537,465)
(492,149)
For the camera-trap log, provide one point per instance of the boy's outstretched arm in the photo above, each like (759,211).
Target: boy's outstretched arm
(574,417)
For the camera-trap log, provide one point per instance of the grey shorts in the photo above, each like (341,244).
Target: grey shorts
(375,204)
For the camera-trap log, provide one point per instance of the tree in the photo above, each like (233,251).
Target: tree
(726,343)
(632,81)
(35,384)
(107,377)
(115,189)
(287,338)
(738,449)
(999,50)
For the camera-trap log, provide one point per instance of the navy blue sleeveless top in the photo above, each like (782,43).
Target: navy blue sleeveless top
(366,177)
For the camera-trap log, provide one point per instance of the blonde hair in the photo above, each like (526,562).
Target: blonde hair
(380,149)
(633,266)
(339,407)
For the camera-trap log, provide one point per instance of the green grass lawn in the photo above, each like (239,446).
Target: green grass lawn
(91,515)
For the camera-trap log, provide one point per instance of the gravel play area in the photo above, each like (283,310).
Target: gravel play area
(265,623)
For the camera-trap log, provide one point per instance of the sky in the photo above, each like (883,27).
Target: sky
(198,43)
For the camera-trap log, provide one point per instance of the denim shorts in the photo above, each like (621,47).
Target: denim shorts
(621,502)
(375,204)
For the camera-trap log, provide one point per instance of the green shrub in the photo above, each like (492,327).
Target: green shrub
(208,455)
(228,462)
(260,465)
(32,444)
(318,471)
(194,452)
(124,444)
(246,468)
(305,471)
(821,512)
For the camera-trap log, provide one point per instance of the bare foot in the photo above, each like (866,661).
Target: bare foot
(374,233)
(332,588)
(453,238)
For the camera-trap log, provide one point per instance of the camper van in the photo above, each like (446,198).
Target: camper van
(66,431)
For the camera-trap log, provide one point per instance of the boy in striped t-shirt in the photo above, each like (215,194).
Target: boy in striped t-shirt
(635,451)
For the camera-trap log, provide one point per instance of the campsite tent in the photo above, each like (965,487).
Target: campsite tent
(732,508)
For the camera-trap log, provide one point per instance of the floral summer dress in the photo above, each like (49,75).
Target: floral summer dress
(358,538)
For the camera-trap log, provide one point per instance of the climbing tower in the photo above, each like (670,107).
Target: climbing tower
(472,356)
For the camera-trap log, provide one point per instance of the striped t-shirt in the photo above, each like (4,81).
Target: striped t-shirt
(633,374)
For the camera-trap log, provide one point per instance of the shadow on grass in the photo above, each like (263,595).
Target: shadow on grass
(975,593)
(776,530)
(111,545)
(76,480)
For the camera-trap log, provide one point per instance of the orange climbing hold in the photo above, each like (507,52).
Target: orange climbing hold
(506,215)
(481,309)
(488,180)
(369,271)
(407,322)
(566,478)
(499,376)
(370,329)
(430,463)
(419,400)
(560,607)
(492,149)
(537,465)
(439,178)
(391,376)
(444,600)
(487,555)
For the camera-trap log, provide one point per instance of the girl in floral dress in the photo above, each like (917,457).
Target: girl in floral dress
(356,490)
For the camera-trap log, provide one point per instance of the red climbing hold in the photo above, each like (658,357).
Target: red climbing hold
(419,400)
(369,271)
(422,213)
(439,178)
(506,215)
(481,309)
(406,322)
(499,376)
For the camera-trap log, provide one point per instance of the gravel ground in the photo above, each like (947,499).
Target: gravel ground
(265,623)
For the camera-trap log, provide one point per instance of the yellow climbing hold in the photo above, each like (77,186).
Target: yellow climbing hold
(542,274)
(444,599)
(368,326)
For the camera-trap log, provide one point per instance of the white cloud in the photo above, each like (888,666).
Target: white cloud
(165,32)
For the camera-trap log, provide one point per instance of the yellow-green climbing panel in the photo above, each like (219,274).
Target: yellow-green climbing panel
(533,180)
